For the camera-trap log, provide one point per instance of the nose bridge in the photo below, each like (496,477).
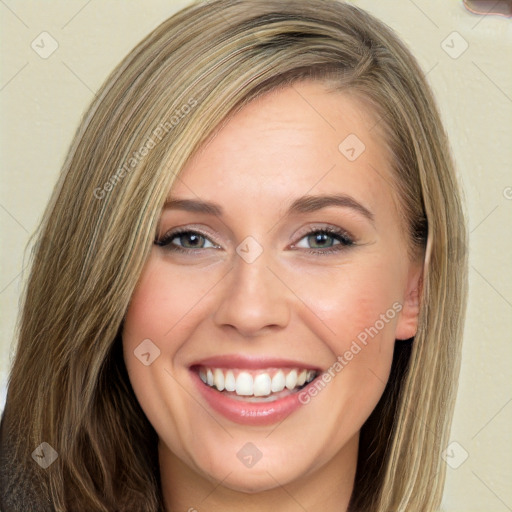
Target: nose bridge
(253,297)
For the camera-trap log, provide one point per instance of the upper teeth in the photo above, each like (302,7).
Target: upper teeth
(255,383)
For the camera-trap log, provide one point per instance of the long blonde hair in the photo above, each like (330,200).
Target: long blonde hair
(69,386)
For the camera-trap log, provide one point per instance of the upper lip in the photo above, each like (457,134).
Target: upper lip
(253,363)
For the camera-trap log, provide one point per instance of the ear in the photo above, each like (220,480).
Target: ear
(407,324)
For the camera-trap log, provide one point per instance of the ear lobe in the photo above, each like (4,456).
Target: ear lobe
(407,324)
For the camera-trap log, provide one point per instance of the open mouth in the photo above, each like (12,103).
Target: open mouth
(247,385)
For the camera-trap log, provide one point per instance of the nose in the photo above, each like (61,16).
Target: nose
(254,299)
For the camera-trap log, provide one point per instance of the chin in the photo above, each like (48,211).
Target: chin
(264,475)
(252,483)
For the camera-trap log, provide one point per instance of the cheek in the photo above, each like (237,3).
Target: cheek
(356,302)
(161,310)
(148,329)
(163,303)
(359,304)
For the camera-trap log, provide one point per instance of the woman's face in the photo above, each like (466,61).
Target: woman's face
(254,297)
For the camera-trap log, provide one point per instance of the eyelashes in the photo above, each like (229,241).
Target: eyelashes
(180,233)
(337,234)
(315,236)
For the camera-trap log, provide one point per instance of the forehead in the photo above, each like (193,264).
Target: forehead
(296,140)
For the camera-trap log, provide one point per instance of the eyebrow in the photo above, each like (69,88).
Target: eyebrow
(304,204)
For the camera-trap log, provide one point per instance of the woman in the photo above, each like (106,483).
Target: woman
(250,369)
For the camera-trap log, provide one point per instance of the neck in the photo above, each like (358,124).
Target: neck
(327,488)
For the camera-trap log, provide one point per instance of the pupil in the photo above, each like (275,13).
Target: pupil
(320,238)
(192,237)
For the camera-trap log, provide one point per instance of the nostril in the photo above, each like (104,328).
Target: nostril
(485,7)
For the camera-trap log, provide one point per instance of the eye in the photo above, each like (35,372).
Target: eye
(319,238)
(189,239)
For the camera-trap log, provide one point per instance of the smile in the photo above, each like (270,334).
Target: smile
(253,391)
(271,382)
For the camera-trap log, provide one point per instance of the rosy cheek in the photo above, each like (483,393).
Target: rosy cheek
(164,302)
(352,313)
(145,308)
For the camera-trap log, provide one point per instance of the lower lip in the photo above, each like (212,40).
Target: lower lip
(249,413)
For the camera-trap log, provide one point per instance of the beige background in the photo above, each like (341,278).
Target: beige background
(42,99)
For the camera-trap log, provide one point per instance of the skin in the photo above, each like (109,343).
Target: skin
(288,303)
